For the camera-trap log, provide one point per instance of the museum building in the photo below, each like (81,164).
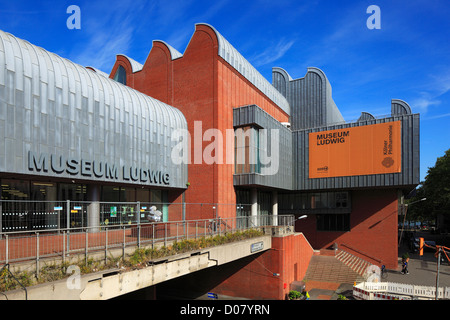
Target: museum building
(71,133)
(252,147)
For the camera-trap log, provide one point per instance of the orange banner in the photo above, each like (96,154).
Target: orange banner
(364,150)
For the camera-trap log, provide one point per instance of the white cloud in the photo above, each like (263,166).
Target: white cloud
(438,116)
(423,103)
(436,86)
(107,33)
(272,54)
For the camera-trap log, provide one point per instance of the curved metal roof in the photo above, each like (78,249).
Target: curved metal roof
(174,53)
(238,62)
(56,106)
(135,66)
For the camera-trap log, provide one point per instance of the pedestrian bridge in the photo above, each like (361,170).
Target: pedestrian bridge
(69,247)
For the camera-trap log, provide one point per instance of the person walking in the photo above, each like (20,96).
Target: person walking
(405,260)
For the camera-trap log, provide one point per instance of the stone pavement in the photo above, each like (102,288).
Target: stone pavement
(422,270)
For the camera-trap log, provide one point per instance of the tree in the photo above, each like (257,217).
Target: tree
(436,188)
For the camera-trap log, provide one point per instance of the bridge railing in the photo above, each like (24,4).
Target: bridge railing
(63,242)
(397,291)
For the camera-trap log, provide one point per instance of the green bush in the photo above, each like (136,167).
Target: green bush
(293,295)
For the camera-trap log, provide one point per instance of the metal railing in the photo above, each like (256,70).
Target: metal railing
(27,215)
(63,242)
(390,290)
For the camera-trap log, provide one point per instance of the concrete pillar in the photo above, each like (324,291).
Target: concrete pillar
(275,207)
(93,210)
(254,209)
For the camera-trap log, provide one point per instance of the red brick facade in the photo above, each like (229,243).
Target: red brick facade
(373,228)
(268,275)
(205,88)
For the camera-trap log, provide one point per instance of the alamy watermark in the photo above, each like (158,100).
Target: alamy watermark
(74,20)
(249,146)
(373,274)
(374,21)
(73,282)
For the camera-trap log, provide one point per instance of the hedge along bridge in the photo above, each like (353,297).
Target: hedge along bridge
(25,251)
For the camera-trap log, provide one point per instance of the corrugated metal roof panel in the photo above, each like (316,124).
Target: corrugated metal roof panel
(135,66)
(174,53)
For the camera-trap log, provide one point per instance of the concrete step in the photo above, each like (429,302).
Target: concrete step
(355,263)
(329,269)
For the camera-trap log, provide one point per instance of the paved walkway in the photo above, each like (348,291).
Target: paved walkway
(327,277)
(422,270)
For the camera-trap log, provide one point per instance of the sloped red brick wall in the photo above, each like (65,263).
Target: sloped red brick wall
(269,275)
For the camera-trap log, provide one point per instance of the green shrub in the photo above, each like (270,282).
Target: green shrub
(293,294)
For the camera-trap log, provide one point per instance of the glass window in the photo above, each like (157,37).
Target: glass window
(156,196)
(121,75)
(110,194)
(264,203)
(142,195)
(73,192)
(333,222)
(341,199)
(127,194)
(15,190)
(43,191)
(246,150)
(242,203)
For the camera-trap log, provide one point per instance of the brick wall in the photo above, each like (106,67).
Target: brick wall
(373,223)
(288,259)
(205,88)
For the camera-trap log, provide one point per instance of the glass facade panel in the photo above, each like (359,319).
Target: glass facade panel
(333,222)
(15,189)
(43,191)
(142,195)
(242,203)
(314,203)
(264,203)
(110,194)
(246,150)
(121,75)
(73,192)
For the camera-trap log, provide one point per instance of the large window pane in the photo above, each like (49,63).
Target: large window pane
(15,190)
(246,150)
(121,75)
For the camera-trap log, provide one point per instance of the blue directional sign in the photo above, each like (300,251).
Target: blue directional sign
(212,295)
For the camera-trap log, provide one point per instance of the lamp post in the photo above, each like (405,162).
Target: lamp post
(299,218)
(405,209)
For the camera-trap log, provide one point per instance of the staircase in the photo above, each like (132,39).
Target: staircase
(355,263)
(340,268)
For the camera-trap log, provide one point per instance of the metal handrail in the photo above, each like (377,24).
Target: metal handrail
(63,242)
(6,267)
(362,253)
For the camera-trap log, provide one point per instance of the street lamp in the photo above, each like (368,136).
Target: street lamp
(299,218)
(423,199)
(405,209)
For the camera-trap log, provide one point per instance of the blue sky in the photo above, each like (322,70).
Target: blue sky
(408,58)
